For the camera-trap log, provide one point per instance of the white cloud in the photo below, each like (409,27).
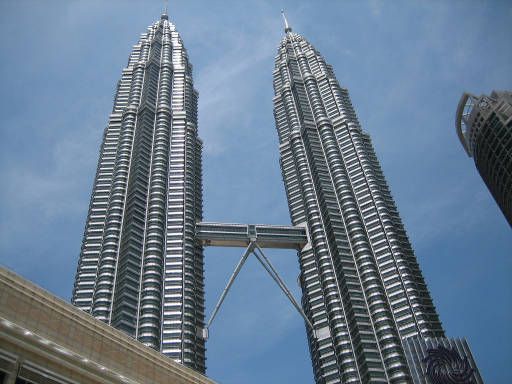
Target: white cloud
(39,192)
(375,7)
(227,86)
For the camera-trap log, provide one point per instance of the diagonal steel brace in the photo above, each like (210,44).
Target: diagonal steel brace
(254,248)
(275,276)
(246,254)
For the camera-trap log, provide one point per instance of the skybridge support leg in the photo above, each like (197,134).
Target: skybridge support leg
(254,248)
(275,276)
(246,254)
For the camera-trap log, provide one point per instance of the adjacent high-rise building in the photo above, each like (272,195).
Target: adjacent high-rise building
(484,127)
(140,268)
(362,286)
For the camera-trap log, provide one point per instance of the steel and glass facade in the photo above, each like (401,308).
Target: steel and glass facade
(359,276)
(484,127)
(140,268)
(141,262)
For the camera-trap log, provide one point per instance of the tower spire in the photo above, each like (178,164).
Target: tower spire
(287,28)
(164,13)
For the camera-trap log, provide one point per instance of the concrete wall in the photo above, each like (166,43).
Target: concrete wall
(44,339)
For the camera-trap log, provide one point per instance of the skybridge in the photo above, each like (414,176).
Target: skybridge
(241,235)
(255,237)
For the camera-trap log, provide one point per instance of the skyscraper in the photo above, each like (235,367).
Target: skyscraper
(362,287)
(484,127)
(141,262)
(140,268)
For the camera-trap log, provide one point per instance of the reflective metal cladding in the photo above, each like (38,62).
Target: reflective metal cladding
(140,268)
(360,278)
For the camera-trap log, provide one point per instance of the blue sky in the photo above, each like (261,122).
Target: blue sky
(405,63)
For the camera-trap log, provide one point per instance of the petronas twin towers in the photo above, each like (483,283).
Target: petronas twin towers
(140,267)
(141,262)
(359,278)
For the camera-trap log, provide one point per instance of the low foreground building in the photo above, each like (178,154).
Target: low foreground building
(45,340)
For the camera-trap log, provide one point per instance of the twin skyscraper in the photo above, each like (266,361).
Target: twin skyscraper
(369,315)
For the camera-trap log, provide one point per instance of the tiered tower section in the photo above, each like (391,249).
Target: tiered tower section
(140,268)
(362,286)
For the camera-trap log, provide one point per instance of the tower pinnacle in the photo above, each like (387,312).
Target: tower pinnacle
(164,13)
(287,28)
